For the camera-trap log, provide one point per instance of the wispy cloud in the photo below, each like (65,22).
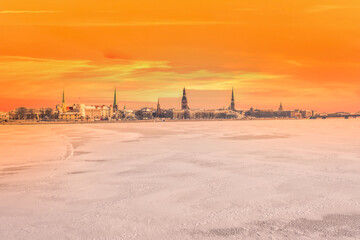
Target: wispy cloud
(26,11)
(108,11)
(138,24)
(322,8)
(295,63)
(140,80)
(158,23)
(245,9)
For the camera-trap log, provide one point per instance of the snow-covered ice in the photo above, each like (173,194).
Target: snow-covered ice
(273,179)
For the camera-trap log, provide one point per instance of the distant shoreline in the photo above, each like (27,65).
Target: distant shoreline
(20,122)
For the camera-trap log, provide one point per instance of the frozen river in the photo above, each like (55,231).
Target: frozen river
(275,179)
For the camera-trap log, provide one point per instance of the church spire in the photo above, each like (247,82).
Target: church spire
(158,109)
(281,107)
(115,105)
(63,104)
(184,102)
(232,105)
(115,100)
(232,94)
(63,97)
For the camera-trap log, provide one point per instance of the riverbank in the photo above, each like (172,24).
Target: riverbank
(21,122)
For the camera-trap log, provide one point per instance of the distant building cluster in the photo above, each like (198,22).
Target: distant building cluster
(83,112)
(281,113)
(92,112)
(103,112)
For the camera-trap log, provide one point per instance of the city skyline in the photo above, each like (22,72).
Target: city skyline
(198,101)
(182,102)
(304,54)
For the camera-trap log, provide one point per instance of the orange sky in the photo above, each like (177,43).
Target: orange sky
(304,53)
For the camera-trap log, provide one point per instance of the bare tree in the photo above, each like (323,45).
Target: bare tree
(20,113)
(31,114)
(49,113)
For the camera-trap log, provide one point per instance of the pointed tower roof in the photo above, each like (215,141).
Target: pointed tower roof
(281,107)
(115,100)
(158,104)
(184,102)
(232,104)
(232,94)
(63,97)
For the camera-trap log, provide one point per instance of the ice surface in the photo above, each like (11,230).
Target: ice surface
(275,179)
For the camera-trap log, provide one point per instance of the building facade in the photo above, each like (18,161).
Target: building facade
(84,112)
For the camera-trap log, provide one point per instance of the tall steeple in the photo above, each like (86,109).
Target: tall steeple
(63,104)
(232,105)
(115,105)
(281,107)
(184,102)
(158,109)
(63,97)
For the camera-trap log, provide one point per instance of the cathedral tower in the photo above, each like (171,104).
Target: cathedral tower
(184,102)
(281,107)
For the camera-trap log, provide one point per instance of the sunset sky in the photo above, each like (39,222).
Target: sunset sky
(303,53)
